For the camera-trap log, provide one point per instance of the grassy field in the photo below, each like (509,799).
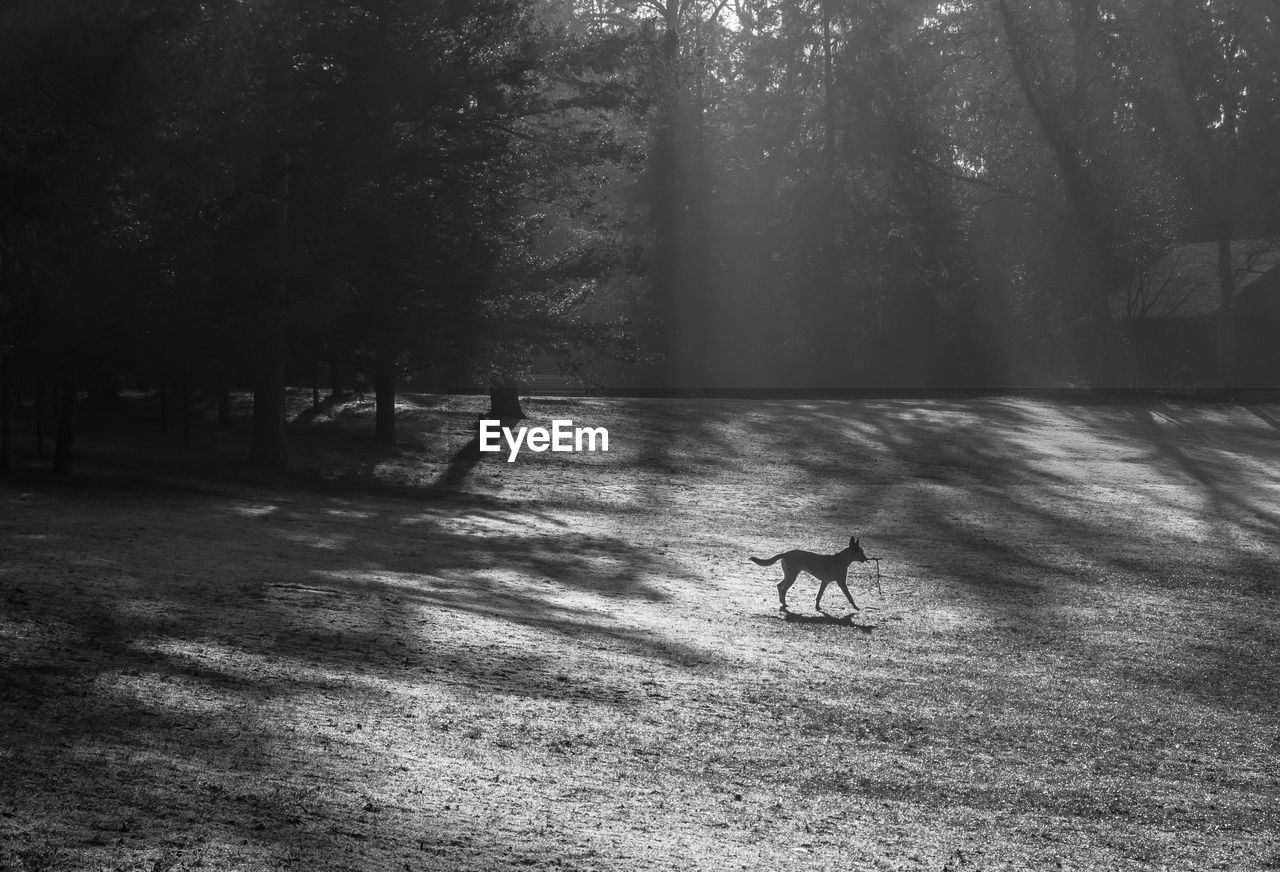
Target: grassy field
(568,663)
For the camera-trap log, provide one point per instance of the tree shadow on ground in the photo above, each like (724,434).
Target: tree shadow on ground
(460,464)
(243,598)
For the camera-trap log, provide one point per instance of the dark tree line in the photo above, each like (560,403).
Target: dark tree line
(199,195)
(208,195)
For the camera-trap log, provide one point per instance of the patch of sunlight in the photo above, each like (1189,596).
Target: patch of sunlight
(478,524)
(405,580)
(949,417)
(92,560)
(1151,506)
(1227,416)
(259,511)
(423,518)
(496,522)
(328,542)
(359,514)
(1179,524)
(840,406)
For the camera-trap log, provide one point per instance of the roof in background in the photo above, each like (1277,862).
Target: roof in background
(1184,283)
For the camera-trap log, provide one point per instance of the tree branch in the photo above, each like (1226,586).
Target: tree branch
(978,181)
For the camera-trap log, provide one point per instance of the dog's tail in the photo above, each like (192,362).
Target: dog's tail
(772,560)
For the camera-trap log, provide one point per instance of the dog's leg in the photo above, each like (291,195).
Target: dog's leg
(821,589)
(789,574)
(845,587)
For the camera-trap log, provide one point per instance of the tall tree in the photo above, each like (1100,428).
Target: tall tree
(1208,82)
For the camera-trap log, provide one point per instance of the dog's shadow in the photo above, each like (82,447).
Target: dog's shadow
(822,618)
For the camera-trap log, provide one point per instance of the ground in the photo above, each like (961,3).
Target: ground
(568,663)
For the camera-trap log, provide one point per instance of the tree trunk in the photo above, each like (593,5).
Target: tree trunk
(826,300)
(384,386)
(696,279)
(828,96)
(39,411)
(186,409)
(62,455)
(335,381)
(268,446)
(1096,338)
(504,402)
(315,386)
(668,197)
(1226,314)
(224,404)
(6,414)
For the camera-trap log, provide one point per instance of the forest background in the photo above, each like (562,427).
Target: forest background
(200,197)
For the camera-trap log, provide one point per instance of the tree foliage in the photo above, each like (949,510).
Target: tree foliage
(224,193)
